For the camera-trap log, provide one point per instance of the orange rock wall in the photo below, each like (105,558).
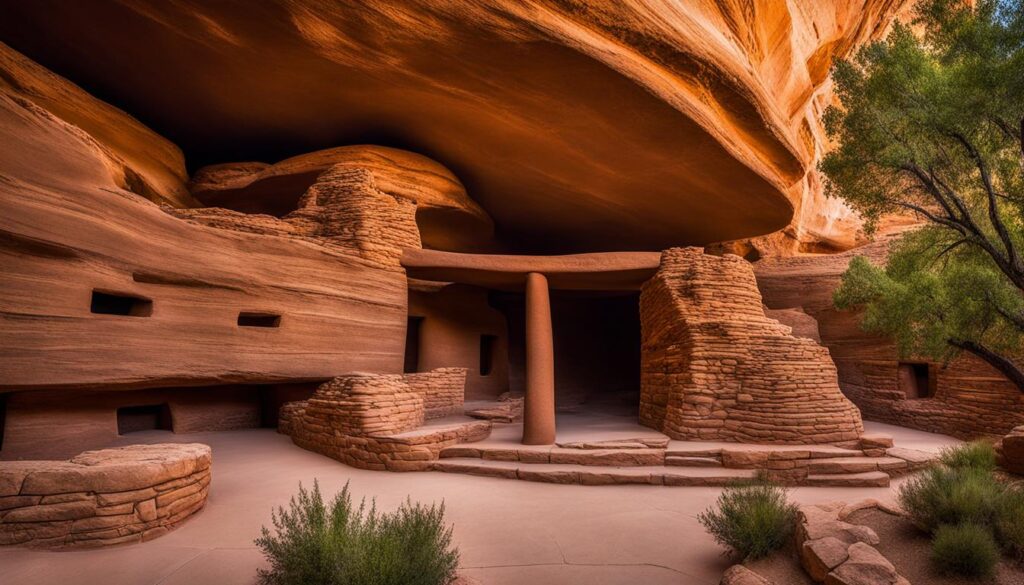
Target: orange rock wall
(713,367)
(970,398)
(443,390)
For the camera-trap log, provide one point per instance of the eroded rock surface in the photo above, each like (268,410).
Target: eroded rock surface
(610,125)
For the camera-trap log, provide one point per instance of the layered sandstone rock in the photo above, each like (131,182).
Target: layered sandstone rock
(964,398)
(99,498)
(443,390)
(448,218)
(639,124)
(1010,450)
(714,367)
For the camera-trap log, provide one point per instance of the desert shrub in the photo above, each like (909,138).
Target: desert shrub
(975,455)
(342,544)
(968,550)
(752,520)
(951,495)
(1010,522)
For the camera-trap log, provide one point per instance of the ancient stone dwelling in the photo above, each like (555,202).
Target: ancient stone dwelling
(295,225)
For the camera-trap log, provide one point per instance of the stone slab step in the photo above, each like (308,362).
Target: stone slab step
(595,475)
(633,457)
(682,461)
(866,479)
(843,465)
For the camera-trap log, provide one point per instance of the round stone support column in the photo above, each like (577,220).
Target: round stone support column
(539,407)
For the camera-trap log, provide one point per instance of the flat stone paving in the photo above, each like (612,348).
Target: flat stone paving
(509,532)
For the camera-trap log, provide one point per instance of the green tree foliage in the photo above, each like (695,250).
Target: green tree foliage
(343,544)
(933,125)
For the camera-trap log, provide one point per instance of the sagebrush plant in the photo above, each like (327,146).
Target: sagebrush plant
(951,495)
(343,544)
(966,549)
(751,519)
(974,455)
(1010,522)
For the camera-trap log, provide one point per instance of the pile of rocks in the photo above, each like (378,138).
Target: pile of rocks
(98,498)
(836,552)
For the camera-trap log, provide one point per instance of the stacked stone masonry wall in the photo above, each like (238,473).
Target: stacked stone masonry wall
(364,404)
(106,497)
(970,398)
(714,367)
(343,209)
(372,421)
(443,390)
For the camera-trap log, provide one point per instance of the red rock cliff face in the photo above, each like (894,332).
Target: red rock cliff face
(636,124)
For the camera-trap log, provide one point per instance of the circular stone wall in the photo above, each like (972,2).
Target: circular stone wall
(99,498)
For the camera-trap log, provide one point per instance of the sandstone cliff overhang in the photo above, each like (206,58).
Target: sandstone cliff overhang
(633,125)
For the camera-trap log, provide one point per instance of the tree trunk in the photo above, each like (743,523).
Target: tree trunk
(1004,365)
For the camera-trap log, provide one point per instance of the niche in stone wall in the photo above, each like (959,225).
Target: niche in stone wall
(252,319)
(111,303)
(150,417)
(915,380)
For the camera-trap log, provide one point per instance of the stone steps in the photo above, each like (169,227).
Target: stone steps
(633,457)
(681,461)
(866,479)
(846,465)
(595,475)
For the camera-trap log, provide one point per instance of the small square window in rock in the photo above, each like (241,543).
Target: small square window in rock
(109,303)
(247,319)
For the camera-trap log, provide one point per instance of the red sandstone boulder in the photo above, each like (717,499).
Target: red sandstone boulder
(1010,451)
(740,575)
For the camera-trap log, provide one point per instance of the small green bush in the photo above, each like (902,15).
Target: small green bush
(976,455)
(345,545)
(1010,522)
(968,550)
(753,519)
(949,495)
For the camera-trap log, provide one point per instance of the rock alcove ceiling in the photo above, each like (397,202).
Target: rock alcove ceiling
(632,125)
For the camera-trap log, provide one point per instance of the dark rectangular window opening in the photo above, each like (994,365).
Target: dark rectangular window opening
(412,345)
(106,303)
(151,417)
(258,320)
(487,345)
(3,418)
(915,380)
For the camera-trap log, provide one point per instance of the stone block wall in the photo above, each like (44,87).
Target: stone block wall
(970,398)
(373,421)
(99,498)
(363,404)
(443,390)
(714,367)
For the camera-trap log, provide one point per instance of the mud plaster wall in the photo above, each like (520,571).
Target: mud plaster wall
(454,318)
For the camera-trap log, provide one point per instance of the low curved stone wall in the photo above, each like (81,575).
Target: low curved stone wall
(105,497)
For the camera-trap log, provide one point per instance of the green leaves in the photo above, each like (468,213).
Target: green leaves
(342,544)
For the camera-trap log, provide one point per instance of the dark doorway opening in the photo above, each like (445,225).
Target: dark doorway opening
(151,417)
(487,346)
(596,339)
(412,345)
(915,380)
(106,303)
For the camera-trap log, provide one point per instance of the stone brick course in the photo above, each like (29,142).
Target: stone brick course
(443,390)
(714,367)
(106,497)
(375,421)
